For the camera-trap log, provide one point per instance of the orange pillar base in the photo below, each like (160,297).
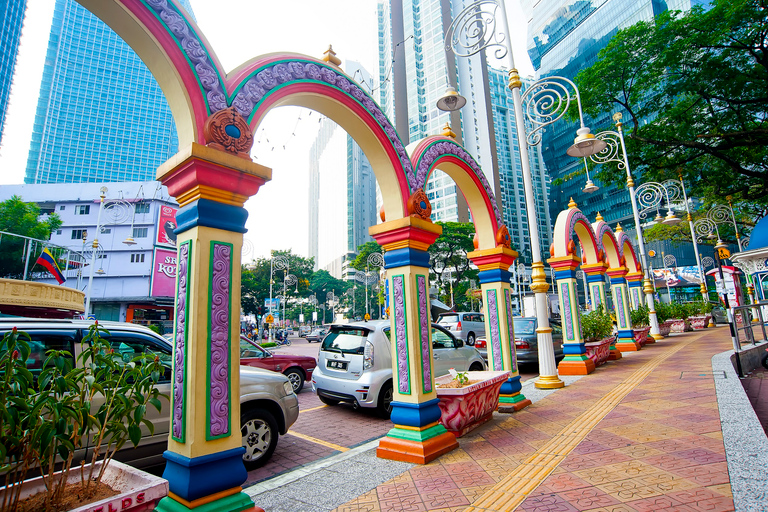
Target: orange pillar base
(584,367)
(615,355)
(628,346)
(405,450)
(649,340)
(519,406)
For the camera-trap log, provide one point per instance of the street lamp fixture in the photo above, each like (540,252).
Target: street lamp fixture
(451,100)
(590,186)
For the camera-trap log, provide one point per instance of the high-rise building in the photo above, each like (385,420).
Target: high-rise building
(342,192)
(11,21)
(101,116)
(564,37)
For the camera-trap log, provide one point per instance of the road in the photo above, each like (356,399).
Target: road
(321,430)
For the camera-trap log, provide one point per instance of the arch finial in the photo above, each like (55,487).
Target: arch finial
(572,203)
(330,57)
(599,217)
(447,132)
(618,228)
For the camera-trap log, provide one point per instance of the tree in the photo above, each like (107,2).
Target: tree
(449,255)
(695,86)
(363,251)
(24,219)
(254,284)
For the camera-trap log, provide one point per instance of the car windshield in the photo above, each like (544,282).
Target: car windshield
(448,319)
(347,340)
(524,326)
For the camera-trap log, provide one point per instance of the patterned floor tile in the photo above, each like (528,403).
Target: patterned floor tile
(588,498)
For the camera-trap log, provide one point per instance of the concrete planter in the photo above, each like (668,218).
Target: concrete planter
(599,351)
(665,327)
(641,335)
(464,409)
(699,322)
(138,491)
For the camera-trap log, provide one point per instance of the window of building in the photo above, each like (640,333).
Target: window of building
(58,231)
(82,209)
(77,234)
(137,258)
(140,233)
(142,207)
(61,208)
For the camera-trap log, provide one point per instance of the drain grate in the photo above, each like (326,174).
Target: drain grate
(702,375)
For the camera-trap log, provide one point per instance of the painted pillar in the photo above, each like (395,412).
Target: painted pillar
(576,361)
(596,283)
(635,284)
(499,328)
(417,436)
(619,292)
(205,454)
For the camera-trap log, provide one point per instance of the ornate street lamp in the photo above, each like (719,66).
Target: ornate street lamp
(280,263)
(669,261)
(546,101)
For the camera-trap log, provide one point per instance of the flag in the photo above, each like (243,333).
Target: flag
(47,261)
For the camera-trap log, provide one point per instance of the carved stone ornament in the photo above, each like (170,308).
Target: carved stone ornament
(419,206)
(227,130)
(502,237)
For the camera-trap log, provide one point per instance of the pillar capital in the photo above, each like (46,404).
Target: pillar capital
(592,269)
(634,278)
(201,172)
(492,259)
(405,233)
(564,262)
(618,272)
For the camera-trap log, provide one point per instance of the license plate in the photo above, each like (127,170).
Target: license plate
(337,365)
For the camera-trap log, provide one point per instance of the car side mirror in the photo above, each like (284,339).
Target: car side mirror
(459,343)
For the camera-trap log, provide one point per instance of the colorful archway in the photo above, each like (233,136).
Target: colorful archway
(212,177)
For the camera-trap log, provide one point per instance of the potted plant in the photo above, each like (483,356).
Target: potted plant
(663,315)
(51,415)
(596,329)
(468,399)
(641,325)
(699,314)
(679,317)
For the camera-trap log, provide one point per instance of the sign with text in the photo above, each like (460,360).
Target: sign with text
(163,282)
(166,224)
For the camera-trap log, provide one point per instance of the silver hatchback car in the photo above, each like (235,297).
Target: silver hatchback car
(465,326)
(355,363)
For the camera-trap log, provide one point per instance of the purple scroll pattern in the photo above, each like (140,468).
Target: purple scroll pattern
(495,337)
(401,340)
(220,332)
(195,52)
(421,284)
(439,149)
(565,306)
(178,350)
(597,297)
(511,330)
(619,294)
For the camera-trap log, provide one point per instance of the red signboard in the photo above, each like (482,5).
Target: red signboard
(166,223)
(163,282)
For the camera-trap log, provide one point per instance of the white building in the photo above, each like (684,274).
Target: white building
(135,264)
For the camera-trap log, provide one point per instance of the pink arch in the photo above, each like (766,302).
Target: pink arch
(572,221)
(607,238)
(628,251)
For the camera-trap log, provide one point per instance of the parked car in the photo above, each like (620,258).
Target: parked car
(304,330)
(465,326)
(268,404)
(355,363)
(297,368)
(719,315)
(316,335)
(526,341)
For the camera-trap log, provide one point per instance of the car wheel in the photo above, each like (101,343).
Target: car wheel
(296,379)
(259,431)
(476,367)
(471,339)
(328,401)
(386,395)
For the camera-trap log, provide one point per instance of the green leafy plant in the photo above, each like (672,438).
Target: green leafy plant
(663,311)
(460,377)
(699,308)
(640,317)
(679,310)
(47,417)
(596,324)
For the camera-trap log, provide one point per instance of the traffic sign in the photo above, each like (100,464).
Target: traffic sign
(723,253)
(367,317)
(269,319)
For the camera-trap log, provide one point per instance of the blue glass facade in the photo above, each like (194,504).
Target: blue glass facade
(563,38)
(101,116)
(11,20)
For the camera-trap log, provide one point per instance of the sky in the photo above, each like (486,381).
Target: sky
(239,30)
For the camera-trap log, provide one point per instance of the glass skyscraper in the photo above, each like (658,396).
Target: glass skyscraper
(564,37)
(11,20)
(101,116)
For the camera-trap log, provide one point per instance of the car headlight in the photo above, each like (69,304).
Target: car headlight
(287,387)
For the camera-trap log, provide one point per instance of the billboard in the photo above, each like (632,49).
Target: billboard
(163,281)
(166,224)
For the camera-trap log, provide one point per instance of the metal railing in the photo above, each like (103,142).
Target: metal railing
(748,327)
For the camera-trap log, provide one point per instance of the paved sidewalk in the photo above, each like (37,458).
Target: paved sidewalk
(640,434)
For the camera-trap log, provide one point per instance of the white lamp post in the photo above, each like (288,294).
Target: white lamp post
(281,263)
(669,261)
(289,279)
(546,100)
(95,245)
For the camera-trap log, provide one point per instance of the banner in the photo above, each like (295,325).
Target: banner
(166,224)
(163,282)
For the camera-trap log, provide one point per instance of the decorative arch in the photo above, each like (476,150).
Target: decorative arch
(628,252)
(442,152)
(572,221)
(606,236)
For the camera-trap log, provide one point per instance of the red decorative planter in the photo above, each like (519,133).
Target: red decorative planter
(464,409)
(679,325)
(699,322)
(599,351)
(665,327)
(641,335)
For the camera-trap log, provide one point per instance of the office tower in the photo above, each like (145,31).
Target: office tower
(564,37)
(511,171)
(101,116)
(11,21)
(414,71)
(342,191)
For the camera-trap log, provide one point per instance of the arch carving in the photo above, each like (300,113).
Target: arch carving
(572,221)
(607,237)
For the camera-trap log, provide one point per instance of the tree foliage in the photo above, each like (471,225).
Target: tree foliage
(21,218)
(449,262)
(254,284)
(695,86)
